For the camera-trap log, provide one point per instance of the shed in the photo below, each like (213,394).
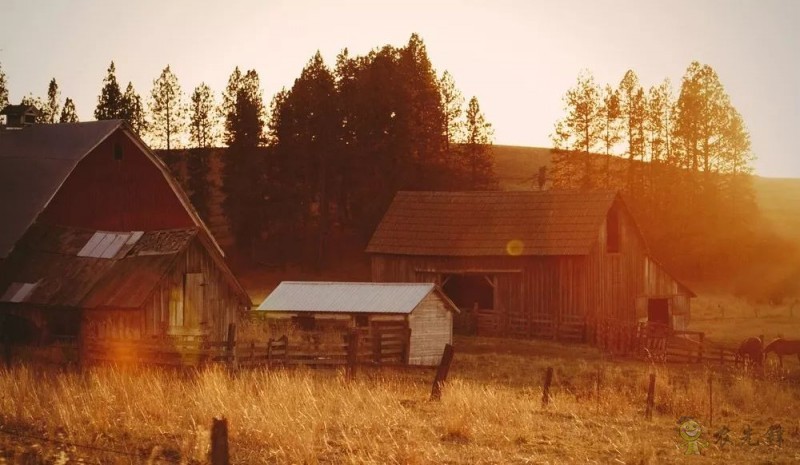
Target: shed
(422,308)
(560,264)
(98,241)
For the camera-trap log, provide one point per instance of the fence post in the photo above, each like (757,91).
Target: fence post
(441,373)
(598,387)
(230,347)
(710,404)
(406,345)
(548,378)
(651,388)
(700,355)
(269,353)
(352,354)
(376,346)
(219,441)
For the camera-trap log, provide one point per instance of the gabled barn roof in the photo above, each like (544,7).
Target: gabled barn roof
(69,267)
(343,297)
(491,223)
(35,162)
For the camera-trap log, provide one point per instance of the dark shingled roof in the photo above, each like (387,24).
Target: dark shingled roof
(48,256)
(485,223)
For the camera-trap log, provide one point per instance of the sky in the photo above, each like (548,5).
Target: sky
(517,57)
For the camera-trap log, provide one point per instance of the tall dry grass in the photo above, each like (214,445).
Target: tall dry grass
(491,412)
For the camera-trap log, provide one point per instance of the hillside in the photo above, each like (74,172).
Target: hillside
(778,198)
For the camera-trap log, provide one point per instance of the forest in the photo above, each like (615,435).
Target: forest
(327,155)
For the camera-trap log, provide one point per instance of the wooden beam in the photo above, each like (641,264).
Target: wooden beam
(466,271)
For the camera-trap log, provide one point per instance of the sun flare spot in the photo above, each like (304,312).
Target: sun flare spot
(515,247)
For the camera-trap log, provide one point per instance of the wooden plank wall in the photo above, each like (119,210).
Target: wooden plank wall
(166,313)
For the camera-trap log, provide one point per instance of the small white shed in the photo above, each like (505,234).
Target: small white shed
(422,307)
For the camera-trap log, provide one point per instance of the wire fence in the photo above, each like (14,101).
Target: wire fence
(149,458)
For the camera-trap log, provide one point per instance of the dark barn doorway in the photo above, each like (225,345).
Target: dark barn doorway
(658,311)
(473,294)
(467,291)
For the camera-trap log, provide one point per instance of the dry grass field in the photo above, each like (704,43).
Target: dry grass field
(491,412)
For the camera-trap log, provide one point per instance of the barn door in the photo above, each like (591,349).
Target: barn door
(194,313)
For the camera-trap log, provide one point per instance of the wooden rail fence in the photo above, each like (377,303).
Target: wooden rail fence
(386,346)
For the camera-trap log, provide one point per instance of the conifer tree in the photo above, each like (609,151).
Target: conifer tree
(109,102)
(453,106)
(133,110)
(68,113)
(3,88)
(52,106)
(477,148)
(167,112)
(202,127)
(577,135)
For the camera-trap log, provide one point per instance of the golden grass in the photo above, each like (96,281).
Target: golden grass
(491,411)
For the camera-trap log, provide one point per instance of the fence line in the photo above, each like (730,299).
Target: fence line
(86,447)
(382,346)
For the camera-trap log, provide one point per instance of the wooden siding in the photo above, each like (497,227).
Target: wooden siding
(431,325)
(129,194)
(569,297)
(168,311)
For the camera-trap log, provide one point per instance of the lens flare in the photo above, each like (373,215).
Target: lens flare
(515,247)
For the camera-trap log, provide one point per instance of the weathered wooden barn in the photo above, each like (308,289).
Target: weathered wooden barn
(97,240)
(566,265)
(422,308)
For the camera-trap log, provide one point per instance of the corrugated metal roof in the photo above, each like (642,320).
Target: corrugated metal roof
(34,162)
(491,223)
(341,297)
(49,256)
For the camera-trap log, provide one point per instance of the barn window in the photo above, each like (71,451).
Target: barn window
(304,322)
(362,321)
(117,151)
(467,291)
(612,231)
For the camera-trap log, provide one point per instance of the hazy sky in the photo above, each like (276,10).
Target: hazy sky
(517,57)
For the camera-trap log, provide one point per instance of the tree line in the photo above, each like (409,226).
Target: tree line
(326,154)
(684,164)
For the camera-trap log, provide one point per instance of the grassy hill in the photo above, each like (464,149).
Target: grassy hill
(778,198)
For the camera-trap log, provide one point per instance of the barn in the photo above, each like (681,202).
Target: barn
(98,241)
(421,307)
(564,265)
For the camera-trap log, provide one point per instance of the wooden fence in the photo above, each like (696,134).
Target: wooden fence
(661,343)
(385,346)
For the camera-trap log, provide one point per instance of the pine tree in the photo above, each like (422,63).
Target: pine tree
(52,106)
(244,110)
(452,104)
(701,114)
(3,88)
(577,135)
(167,112)
(477,148)
(633,112)
(133,110)
(422,122)
(245,163)
(202,126)
(68,113)
(312,118)
(610,128)
(109,102)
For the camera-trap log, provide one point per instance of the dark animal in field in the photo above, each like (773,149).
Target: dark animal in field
(751,349)
(783,347)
